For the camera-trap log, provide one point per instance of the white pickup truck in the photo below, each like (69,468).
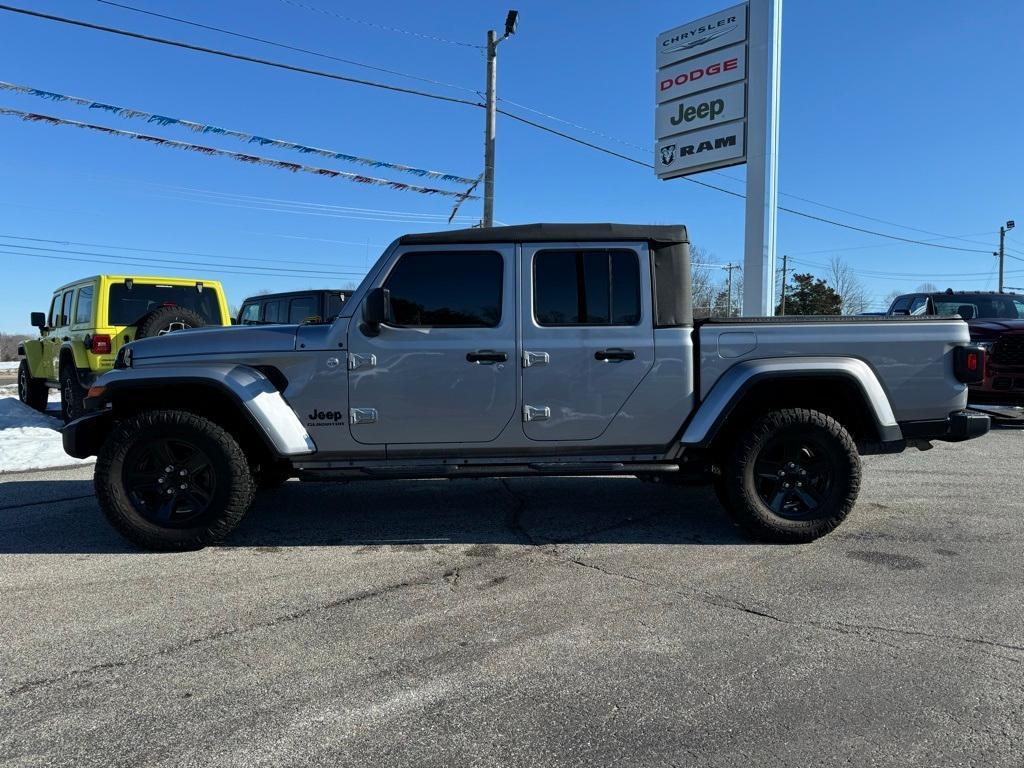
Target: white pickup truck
(545,349)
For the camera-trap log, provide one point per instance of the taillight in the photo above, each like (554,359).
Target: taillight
(100,344)
(969,363)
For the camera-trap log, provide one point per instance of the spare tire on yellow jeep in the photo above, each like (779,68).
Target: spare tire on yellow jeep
(167,319)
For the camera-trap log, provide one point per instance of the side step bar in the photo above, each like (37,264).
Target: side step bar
(449,471)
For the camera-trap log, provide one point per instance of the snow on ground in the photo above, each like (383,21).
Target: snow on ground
(11,367)
(29,439)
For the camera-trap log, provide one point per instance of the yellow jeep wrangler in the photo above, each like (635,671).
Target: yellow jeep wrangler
(91,319)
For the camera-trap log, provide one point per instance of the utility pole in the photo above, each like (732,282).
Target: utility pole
(729,268)
(492,112)
(1002,256)
(785,259)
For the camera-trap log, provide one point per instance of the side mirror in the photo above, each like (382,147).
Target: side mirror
(377,309)
(39,320)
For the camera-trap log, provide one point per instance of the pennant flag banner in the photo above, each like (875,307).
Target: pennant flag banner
(149,117)
(255,159)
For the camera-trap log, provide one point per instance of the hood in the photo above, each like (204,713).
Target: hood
(982,328)
(217,340)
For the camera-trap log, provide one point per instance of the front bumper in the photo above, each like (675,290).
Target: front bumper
(958,426)
(83,437)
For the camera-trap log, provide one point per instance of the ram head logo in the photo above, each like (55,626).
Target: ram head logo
(668,154)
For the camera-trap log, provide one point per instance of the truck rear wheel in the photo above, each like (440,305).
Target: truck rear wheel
(72,394)
(793,476)
(172,480)
(32,392)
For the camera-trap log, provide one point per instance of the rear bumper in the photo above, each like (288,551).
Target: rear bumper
(958,426)
(83,437)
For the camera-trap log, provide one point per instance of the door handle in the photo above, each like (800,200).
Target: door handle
(486,356)
(614,355)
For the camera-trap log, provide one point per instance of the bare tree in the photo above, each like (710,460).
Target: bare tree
(927,288)
(703,286)
(9,345)
(846,283)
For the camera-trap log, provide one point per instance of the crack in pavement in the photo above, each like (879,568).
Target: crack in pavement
(845,628)
(220,634)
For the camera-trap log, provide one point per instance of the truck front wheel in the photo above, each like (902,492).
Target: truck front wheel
(32,392)
(793,476)
(172,480)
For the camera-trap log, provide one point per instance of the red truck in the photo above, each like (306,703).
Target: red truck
(996,321)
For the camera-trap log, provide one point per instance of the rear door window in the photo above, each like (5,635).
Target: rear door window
(586,288)
(902,304)
(919,306)
(83,309)
(273,312)
(129,305)
(303,308)
(334,302)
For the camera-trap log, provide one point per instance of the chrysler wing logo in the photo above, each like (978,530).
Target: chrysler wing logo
(668,154)
(698,41)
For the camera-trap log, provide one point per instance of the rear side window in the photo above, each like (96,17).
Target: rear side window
(65,308)
(302,309)
(129,305)
(249,315)
(902,304)
(586,288)
(83,309)
(457,289)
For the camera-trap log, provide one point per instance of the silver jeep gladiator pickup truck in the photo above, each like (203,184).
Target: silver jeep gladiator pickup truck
(543,349)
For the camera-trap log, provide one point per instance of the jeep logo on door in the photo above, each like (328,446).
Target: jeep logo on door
(321,418)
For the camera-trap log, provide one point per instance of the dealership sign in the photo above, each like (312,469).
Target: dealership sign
(701,94)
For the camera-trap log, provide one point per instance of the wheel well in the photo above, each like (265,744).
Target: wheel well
(206,400)
(838,396)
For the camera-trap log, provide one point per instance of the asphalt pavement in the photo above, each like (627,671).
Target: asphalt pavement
(524,622)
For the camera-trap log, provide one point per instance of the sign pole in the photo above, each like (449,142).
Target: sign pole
(764,53)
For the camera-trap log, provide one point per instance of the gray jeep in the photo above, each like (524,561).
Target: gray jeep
(545,349)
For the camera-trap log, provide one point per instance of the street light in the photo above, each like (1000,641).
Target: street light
(511,21)
(1002,237)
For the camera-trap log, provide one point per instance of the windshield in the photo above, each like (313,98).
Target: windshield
(128,306)
(980,305)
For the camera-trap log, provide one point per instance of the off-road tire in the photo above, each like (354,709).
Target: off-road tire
(32,392)
(747,480)
(230,499)
(72,394)
(167,319)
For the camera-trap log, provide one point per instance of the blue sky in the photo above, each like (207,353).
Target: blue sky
(908,112)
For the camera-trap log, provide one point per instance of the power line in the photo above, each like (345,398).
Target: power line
(384,27)
(136,249)
(147,265)
(265,271)
(236,56)
(334,76)
(288,47)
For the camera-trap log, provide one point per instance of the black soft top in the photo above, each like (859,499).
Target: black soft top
(663,234)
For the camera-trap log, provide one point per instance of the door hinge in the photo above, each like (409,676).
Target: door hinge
(361,361)
(531,413)
(535,358)
(362,416)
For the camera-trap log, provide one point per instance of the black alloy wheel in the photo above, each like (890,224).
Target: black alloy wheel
(171,481)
